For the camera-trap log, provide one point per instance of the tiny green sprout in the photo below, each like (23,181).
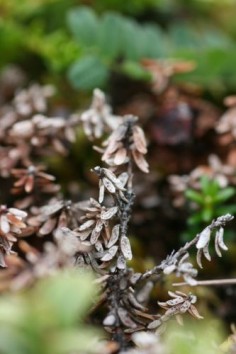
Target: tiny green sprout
(207,203)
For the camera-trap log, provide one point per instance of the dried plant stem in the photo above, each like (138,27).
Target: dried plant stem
(114,296)
(125,211)
(213,282)
(175,256)
(157,271)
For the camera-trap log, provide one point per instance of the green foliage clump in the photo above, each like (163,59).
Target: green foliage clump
(207,203)
(49,317)
(114,42)
(210,200)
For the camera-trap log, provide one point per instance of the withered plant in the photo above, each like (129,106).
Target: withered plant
(90,234)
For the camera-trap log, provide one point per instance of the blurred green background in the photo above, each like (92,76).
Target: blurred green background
(80,45)
(61,41)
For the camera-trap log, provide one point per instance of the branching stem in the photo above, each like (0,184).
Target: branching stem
(213,282)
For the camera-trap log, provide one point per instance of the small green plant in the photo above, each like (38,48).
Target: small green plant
(207,203)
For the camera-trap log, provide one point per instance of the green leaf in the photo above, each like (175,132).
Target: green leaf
(194,196)
(154,44)
(135,70)
(84,25)
(13,341)
(131,34)
(77,341)
(67,297)
(207,214)
(231,209)
(87,73)
(195,219)
(182,35)
(225,194)
(214,66)
(204,182)
(213,189)
(209,187)
(214,38)
(110,35)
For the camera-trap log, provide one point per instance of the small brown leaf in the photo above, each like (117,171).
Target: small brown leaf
(86,225)
(4,224)
(109,320)
(99,225)
(108,185)
(48,227)
(94,236)
(120,156)
(101,192)
(220,234)
(84,234)
(15,221)
(194,312)
(29,185)
(109,213)
(185,307)
(173,302)
(135,303)
(114,236)
(99,247)
(154,324)
(140,161)
(199,257)
(139,140)
(121,262)
(18,213)
(119,133)
(125,318)
(52,208)
(110,254)
(206,253)
(112,177)
(123,177)
(125,247)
